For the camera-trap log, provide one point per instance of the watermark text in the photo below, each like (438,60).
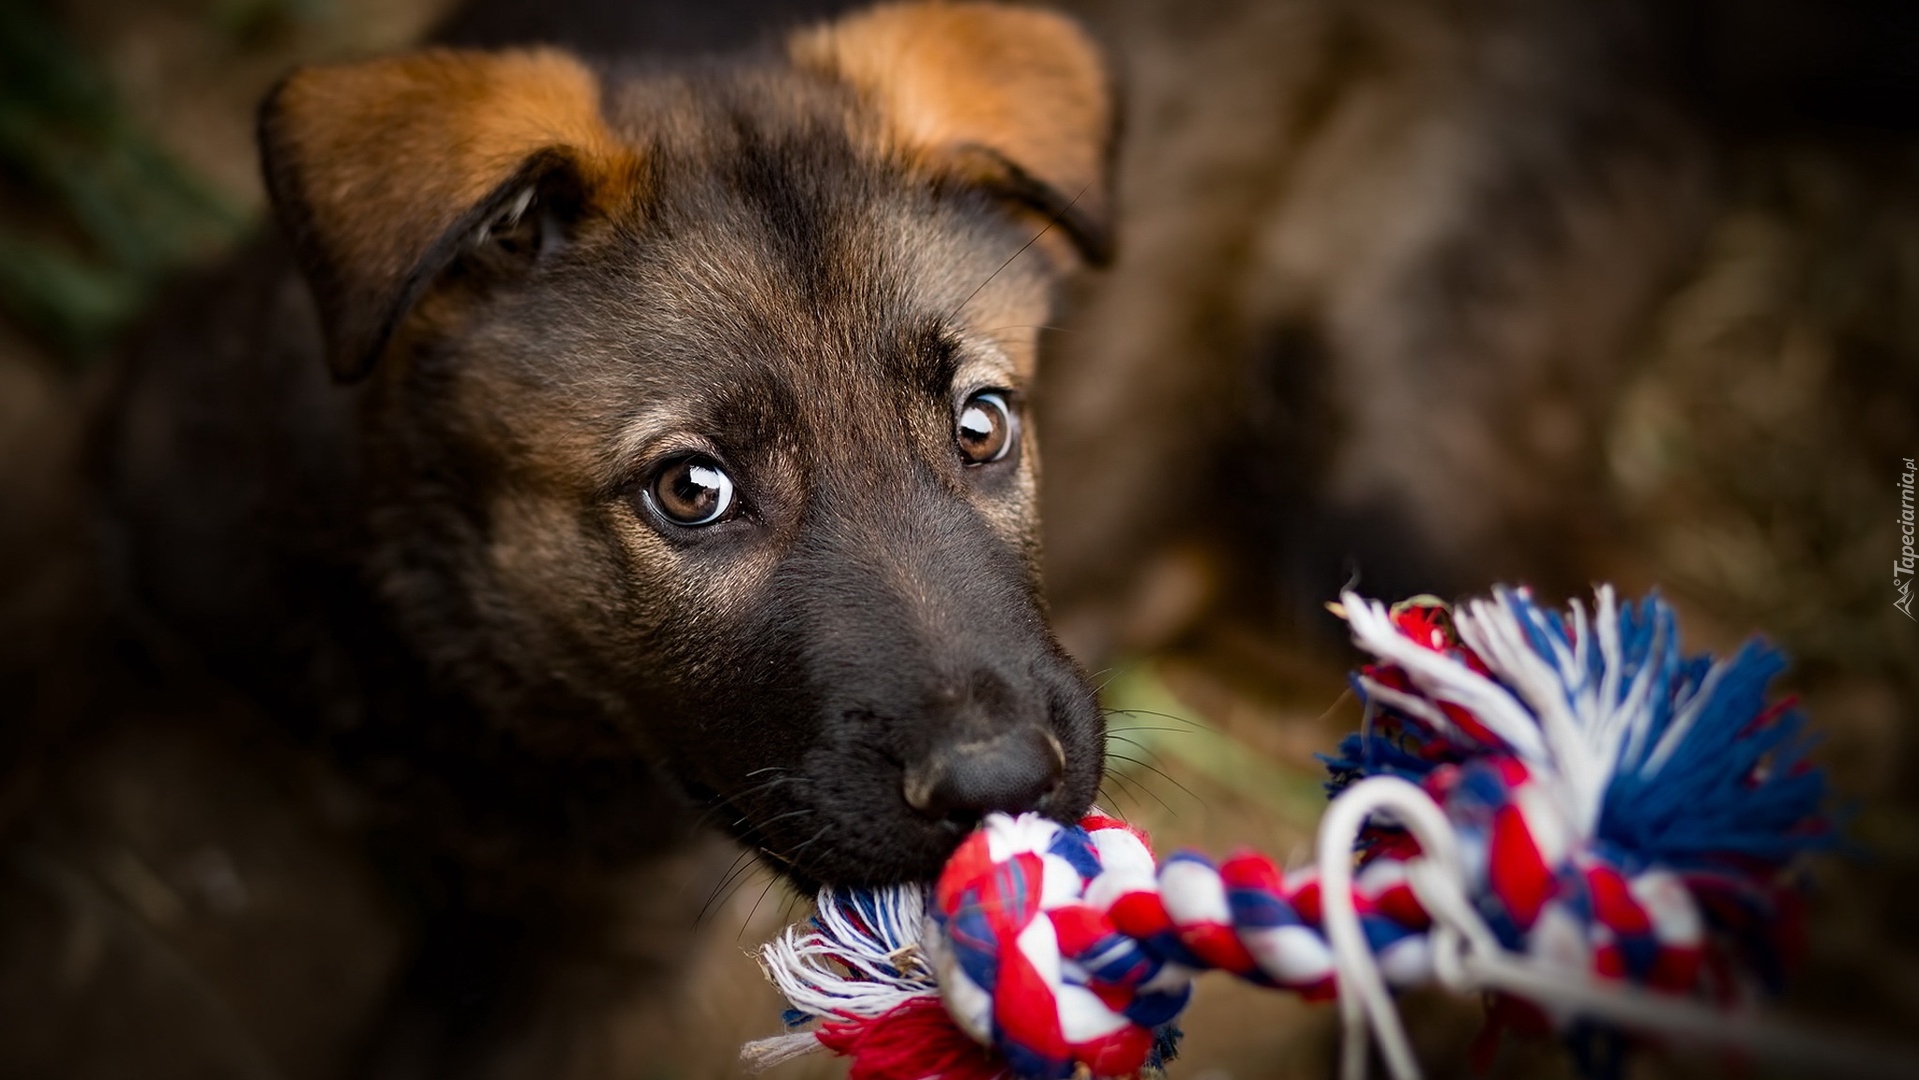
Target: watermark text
(1902,567)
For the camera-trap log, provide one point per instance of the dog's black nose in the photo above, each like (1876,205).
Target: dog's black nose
(962,782)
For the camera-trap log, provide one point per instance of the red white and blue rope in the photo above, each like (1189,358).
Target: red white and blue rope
(1560,809)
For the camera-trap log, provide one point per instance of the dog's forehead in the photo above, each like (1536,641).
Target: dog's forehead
(758,200)
(767,270)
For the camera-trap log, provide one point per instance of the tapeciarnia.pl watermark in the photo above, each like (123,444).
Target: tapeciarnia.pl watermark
(1902,566)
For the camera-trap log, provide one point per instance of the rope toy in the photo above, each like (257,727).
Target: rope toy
(1559,810)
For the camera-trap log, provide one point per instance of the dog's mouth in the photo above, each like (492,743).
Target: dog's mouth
(856,812)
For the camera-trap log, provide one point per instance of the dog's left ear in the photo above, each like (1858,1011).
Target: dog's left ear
(1012,100)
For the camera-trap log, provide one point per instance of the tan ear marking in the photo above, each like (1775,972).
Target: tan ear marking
(370,164)
(950,79)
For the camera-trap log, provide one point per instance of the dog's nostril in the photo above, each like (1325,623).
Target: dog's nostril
(1011,773)
(961,821)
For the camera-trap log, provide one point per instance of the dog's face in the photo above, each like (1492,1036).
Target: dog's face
(694,415)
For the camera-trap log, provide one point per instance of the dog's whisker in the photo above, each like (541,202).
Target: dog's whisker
(765,786)
(1050,222)
(772,880)
(731,868)
(1135,785)
(1156,756)
(739,883)
(793,857)
(1161,773)
(1339,702)
(786,909)
(1110,674)
(725,879)
(1150,712)
(1140,746)
(706,816)
(783,817)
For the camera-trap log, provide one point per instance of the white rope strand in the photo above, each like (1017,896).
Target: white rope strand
(1363,998)
(1468,958)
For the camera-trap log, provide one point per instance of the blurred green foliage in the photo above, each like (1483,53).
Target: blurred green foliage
(96,214)
(1147,723)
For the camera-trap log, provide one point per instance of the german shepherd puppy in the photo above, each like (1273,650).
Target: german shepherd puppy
(644,443)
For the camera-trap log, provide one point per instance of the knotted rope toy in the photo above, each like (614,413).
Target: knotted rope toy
(1559,810)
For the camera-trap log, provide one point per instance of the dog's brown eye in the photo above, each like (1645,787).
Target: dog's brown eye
(692,490)
(985,429)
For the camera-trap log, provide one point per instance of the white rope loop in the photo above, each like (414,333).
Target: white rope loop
(1467,958)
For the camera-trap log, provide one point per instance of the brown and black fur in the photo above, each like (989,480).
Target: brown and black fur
(399,504)
(1393,278)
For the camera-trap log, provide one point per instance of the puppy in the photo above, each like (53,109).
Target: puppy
(638,446)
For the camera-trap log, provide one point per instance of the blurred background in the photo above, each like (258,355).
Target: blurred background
(1426,295)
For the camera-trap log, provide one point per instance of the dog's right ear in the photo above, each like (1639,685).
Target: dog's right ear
(383,172)
(1014,101)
